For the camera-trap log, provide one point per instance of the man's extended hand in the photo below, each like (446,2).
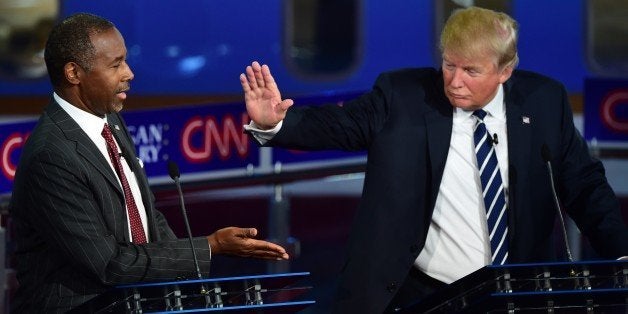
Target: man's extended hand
(240,242)
(262,96)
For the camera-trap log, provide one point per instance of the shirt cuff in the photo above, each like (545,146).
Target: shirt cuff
(262,136)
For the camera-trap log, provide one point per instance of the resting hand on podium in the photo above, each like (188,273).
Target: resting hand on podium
(240,242)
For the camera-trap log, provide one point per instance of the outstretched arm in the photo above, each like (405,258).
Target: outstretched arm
(262,96)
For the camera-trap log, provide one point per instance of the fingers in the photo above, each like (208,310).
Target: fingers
(267,250)
(269,255)
(250,232)
(256,66)
(265,75)
(254,75)
(257,76)
(245,84)
(250,76)
(285,104)
(260,248)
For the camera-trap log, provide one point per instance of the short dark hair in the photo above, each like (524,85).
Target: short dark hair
(69,41)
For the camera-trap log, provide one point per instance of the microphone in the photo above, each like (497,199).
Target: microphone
(173,170)
(494,140)
(547,157)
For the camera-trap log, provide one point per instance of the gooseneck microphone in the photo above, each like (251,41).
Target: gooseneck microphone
(173,170)
(547,157)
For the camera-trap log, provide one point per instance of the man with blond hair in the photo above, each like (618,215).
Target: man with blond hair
(455,178)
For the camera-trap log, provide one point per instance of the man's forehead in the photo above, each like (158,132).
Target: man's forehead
(468,61)
(108,44)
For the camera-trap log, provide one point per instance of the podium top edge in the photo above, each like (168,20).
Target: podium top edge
(575,263)
(217,280)
(253,308)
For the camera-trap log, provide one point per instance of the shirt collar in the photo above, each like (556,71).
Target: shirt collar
(89,123)
(495,108)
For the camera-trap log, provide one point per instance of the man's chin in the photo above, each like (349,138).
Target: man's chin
(464,105)
(117,107)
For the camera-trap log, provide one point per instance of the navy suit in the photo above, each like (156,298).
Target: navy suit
(405,125)
(72,232)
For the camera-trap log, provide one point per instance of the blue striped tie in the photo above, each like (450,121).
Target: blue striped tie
(493,190)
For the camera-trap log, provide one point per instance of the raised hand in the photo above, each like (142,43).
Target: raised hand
(240,242)
(262,96)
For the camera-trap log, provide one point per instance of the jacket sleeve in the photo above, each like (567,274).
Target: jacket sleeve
(67,206)
(350,126)
(585,191)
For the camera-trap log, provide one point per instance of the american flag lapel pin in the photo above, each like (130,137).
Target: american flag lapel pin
(525,119)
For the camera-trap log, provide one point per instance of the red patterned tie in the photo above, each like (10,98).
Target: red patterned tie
(137,230)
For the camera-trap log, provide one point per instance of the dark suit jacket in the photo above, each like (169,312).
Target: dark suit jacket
(69,213)
(405,125)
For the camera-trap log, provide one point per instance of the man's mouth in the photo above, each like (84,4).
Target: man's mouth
(122,94)
(457,96)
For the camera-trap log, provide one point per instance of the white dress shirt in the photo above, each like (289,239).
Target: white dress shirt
(93,125)
(457,241)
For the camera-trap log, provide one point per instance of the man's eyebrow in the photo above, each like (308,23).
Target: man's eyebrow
(117,59)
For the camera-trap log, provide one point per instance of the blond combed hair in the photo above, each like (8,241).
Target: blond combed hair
(477,32)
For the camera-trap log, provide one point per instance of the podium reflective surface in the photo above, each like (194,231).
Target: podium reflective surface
(277,293)
(581,287)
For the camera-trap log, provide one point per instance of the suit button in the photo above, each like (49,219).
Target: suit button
(391,287)
(414,248)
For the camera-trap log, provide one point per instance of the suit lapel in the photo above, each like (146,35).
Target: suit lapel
(438,123)
(84,145)
(519,125)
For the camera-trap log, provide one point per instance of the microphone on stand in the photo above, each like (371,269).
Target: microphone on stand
(173,170)
(494,139)
(547,157)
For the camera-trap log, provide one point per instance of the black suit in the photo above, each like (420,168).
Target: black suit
(405,124)
(70,217)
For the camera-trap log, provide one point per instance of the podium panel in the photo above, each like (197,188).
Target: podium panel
(276,293)
(581,287)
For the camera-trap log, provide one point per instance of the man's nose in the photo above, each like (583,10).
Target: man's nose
(457,79)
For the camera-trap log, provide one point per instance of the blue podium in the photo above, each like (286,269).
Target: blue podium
(276,293)
(579,287)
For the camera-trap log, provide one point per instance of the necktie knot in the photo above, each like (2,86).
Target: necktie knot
(481,114)
(106,132)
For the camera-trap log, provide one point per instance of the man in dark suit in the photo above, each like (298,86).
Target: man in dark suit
(431,213)
(84,215)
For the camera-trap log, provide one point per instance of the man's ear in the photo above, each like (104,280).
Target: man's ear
(505,74)
(71,71)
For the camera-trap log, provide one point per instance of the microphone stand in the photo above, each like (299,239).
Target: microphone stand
(545,153)
(173,170)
